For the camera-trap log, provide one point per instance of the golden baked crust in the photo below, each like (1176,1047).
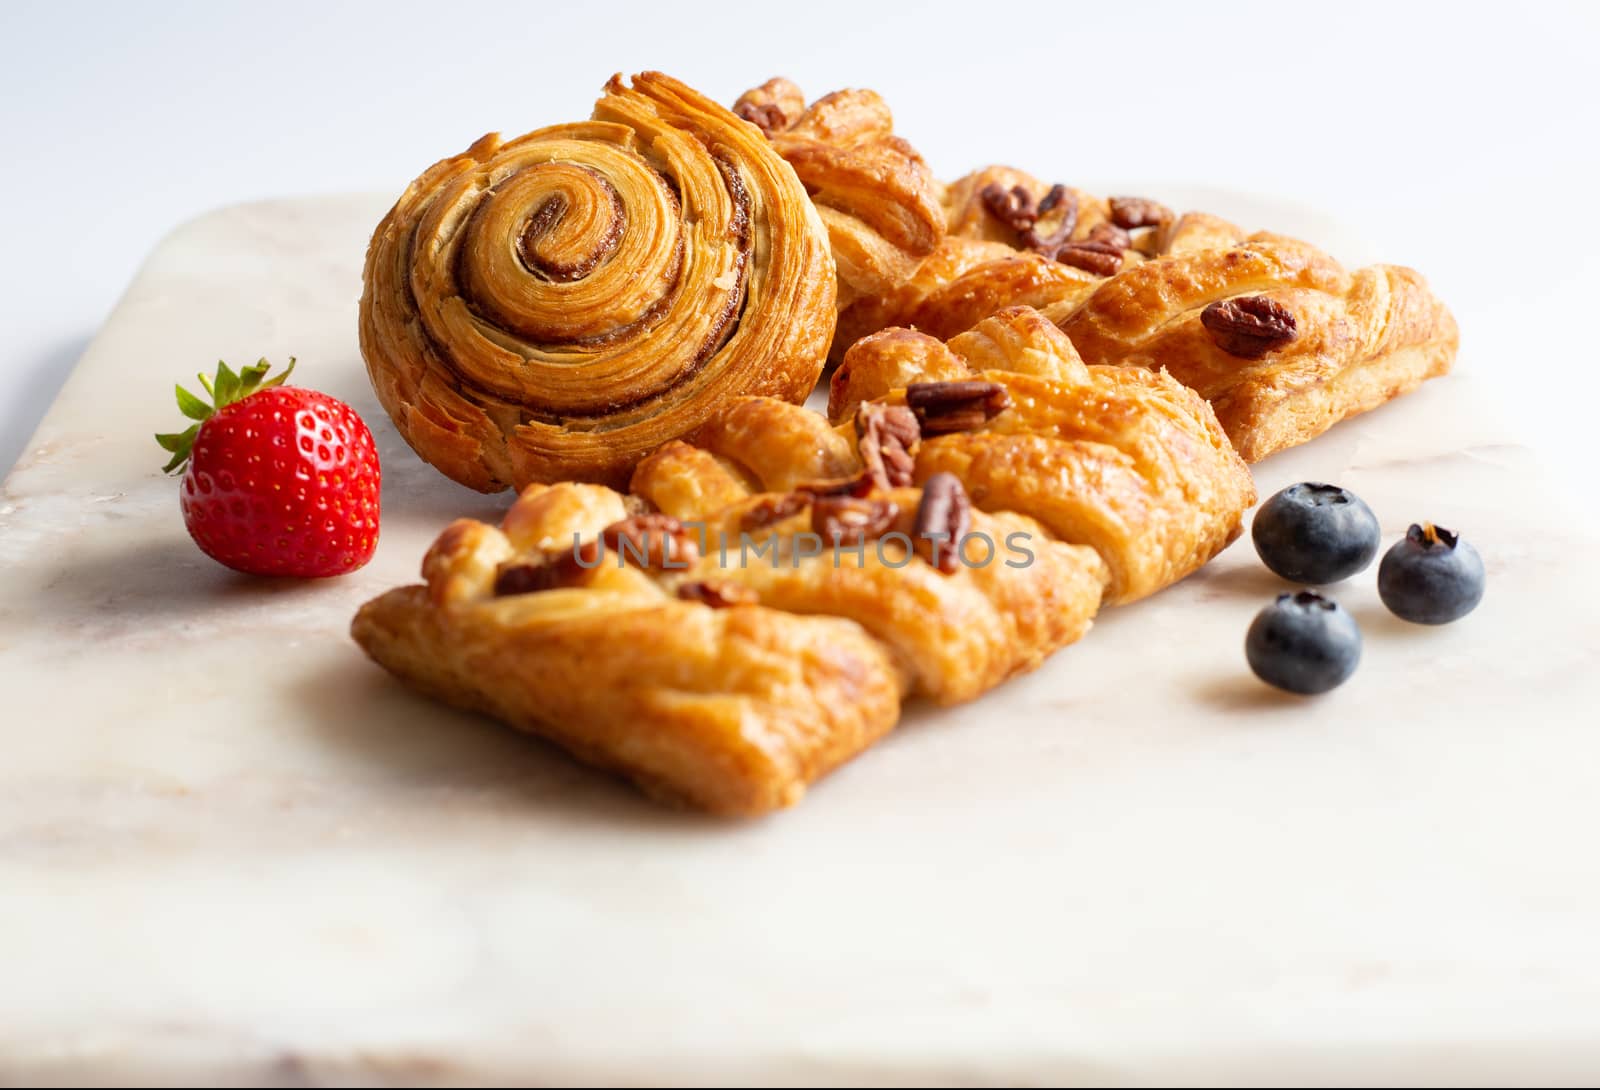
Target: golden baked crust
(1133,284)
(554,307)
(735,700)
(1128,461)
(880,202)
(752,657)
(1348,342)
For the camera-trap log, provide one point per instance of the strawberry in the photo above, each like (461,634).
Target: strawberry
(281,480)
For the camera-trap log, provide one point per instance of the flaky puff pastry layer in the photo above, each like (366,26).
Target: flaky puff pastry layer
(1131,283)
(733,707)
(882,205)
(1358,339)
(762,658)
(1129,462)
(556,306)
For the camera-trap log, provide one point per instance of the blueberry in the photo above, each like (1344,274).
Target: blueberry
(1431,576)
(1304,643)
(1315,533)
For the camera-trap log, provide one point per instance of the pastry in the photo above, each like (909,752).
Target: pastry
(754,612)
(1275,334)
(726,688)
(1125,460)
(556,306)
(1281,339)
(880,202)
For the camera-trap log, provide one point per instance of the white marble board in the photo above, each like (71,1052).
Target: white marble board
(232,849)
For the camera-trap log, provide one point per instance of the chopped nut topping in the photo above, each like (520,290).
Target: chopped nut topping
(847,520)
(1250,326)
(765,116)
(1013,207)
(1047,242)
(943,407)
(1016,209)
(886,436)
(718,595)
(549,572)
(859,485)
(1100,258)
(1111,235)
(944,517)
(1131,212)
(660,540)
(771,510)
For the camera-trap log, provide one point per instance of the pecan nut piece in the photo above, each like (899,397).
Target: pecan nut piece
(1250,326)
(1100,258)
(549,572)
(766,116)
(1048,242)
(1013,207)
(770,510)
(1016,209)
(1111,235)
(847,520)
(720,595)
(650,541)
(944,407)
(886,437)
(1131,212)
(944,517)
(859,485)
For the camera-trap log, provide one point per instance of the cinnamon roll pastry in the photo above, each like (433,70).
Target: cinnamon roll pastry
(555,306)
(880,202)
(771,592)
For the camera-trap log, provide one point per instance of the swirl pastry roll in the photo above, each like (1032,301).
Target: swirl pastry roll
(554,307)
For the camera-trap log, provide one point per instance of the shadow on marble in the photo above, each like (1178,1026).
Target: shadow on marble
(1244,692)
(412,743)
(1376,621)
(1251,581)
(161,587)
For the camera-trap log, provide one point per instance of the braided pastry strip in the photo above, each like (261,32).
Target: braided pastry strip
(677,679)
(1277,336)
(554,307)
(1125,460)
(730,680)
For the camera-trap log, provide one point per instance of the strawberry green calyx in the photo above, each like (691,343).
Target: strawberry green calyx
(226,389)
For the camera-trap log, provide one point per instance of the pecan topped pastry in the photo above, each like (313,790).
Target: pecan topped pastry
(1282,341)
(732,687)
(790,581)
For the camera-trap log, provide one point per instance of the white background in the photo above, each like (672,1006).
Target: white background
(1460,141)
